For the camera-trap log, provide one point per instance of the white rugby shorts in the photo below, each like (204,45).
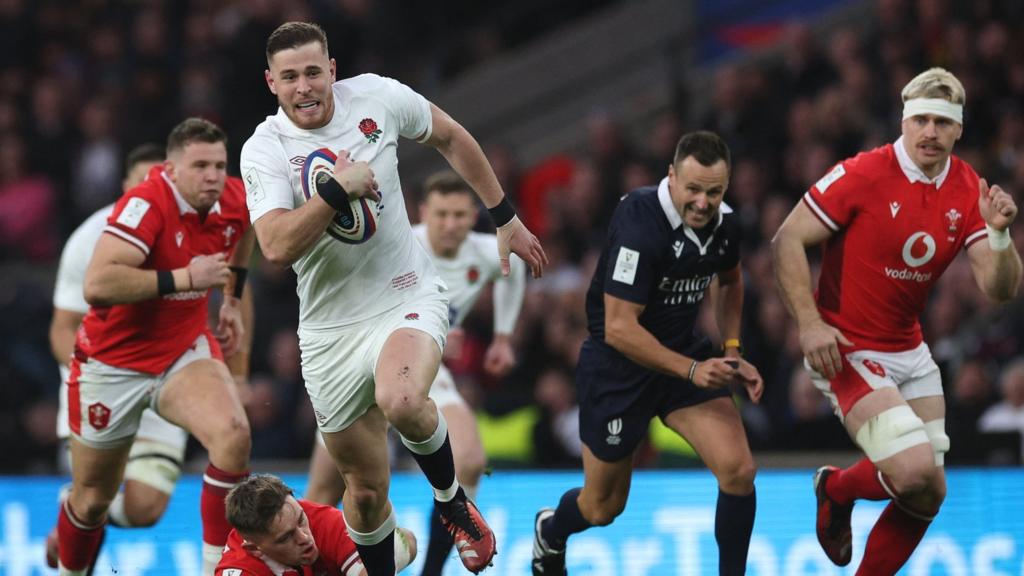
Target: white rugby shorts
(107,404)
(338,364)
(913,372)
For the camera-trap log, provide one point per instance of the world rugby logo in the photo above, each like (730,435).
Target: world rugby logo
(358,221)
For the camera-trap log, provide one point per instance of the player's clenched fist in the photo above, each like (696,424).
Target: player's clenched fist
(355,177)
(208,271)
(996,206)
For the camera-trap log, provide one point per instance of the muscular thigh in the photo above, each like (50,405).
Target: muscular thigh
(105,403)
(413,337)
(715,430)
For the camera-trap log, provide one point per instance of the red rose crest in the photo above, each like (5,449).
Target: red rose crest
(473,274)
(874,367)
(369,129)
(412,316)
(99,416)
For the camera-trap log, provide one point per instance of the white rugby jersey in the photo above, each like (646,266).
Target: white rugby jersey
(473,267)
(340,282)
(74,259)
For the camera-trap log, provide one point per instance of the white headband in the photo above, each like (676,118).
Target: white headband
(936,106)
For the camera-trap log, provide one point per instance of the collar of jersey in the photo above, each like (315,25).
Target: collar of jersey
(674,218)
(912,172)
(183,206)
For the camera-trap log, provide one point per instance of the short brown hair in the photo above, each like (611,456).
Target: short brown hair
(294,34)
(194,130)
(253,504)
(445,182)
(706,147)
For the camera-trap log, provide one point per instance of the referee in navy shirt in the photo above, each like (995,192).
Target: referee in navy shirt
(666,246)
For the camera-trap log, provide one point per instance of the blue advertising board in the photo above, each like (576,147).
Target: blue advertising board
(667,529)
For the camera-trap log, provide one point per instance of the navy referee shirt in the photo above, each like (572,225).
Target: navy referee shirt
(651,257)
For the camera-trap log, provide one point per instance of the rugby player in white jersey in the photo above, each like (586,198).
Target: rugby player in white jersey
(465,261)
(324,196)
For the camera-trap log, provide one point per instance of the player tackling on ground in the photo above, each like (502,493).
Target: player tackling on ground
(276,534)
(465,261)
(890,220)
(325,197)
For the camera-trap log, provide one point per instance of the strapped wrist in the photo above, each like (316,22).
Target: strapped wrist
(164,282)
(502,213)
(693,370)
(240,274)
(332,192)
(998,240)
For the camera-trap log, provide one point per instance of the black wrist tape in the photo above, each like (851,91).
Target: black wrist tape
(240,274)
(503,213)
(331,191)
(164,282)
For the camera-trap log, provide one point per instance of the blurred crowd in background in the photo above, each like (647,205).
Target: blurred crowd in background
(83,82)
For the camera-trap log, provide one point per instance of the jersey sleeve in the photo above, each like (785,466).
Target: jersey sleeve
(632,262)
(409,108)
(834,199)
(74,259)
(233,572)
(264,168)
(136,219)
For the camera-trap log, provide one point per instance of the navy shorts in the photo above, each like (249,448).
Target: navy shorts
(618,397)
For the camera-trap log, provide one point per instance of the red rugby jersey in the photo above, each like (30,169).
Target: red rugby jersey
(895,234)
(338,554)
(149,336)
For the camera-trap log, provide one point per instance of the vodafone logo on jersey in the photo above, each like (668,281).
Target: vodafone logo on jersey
(918,250)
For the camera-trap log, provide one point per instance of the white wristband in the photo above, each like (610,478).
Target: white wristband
(998,240)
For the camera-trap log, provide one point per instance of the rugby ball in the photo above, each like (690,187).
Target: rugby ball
(356,222)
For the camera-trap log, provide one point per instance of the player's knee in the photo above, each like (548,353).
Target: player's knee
(89,505)
(231,440)
(738,477)
(602,511)
(145,513)
(366,497)
(916,477)
(401,406)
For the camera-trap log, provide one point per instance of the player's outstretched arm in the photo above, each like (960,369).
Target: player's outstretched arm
(819,341)
(114,276)
(465,156)
(996,263)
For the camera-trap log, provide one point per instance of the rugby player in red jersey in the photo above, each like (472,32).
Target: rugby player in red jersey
(277,535)
(890,220)
(145,341)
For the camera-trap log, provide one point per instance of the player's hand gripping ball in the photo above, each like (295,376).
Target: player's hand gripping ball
(354,224)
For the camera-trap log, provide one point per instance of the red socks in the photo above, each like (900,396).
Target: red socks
(859,481)
(79,544)
(216,484)
(892,541)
